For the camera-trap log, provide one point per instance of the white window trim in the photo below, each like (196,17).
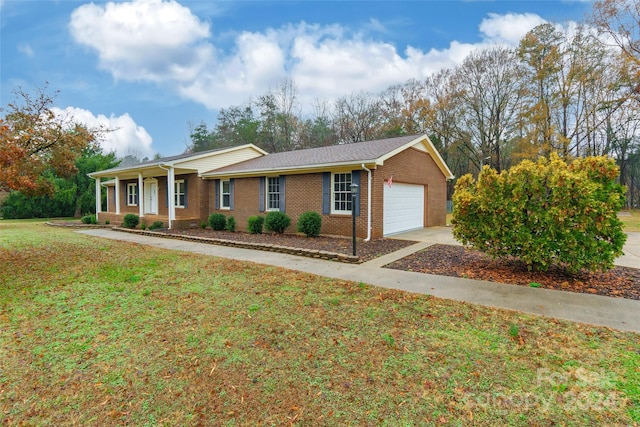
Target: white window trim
(222,194)
(266,194)
(134,193)
(333,195)
(176,192)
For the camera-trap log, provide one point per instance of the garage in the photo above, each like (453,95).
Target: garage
(403,208)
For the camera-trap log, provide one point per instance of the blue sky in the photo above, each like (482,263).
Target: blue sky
(149,67)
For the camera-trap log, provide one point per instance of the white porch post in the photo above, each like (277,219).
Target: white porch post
(140,194)
(171,183)
(98,196)
(117,195)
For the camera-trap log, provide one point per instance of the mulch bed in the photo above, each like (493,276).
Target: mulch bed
(457,261)
(365,250)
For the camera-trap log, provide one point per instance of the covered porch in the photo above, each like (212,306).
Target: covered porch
(145,192)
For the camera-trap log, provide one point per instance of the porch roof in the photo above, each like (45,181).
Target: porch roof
(182,163)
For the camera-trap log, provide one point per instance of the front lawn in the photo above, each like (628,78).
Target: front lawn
(99,332)
(631,220)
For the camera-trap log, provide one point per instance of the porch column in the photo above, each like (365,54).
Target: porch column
(117,195)
(171,203)
(140,194)
(98,196)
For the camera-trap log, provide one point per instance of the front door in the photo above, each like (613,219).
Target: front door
(151,197)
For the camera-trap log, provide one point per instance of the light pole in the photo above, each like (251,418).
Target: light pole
(354,197)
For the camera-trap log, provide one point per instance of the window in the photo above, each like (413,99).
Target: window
(180,194)
(341,195)
(132,194)
(273,193)
(225,194)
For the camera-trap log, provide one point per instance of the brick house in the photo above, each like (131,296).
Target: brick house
(402,182)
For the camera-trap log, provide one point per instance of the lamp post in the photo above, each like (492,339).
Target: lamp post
(354,197)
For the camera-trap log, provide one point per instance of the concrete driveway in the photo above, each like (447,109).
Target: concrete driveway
(631,257)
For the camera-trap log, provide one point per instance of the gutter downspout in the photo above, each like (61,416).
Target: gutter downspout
(368,202)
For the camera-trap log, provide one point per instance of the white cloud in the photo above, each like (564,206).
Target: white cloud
(26,49)
(509,28)
(164,42)
(125,136)
(146,40)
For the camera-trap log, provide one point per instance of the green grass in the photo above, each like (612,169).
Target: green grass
(631,223)
(97,332)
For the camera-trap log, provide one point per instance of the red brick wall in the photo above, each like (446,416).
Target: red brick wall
(411,166)
(304,193)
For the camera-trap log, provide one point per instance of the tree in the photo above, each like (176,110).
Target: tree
(201,138)
(620,19)
(72,196)
(545,213)
(491,90)
(33,139)
(279,122)
(358,117)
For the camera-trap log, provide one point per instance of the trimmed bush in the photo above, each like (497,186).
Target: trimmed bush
(107,222)
(231,224)
(156,225)
(89,219)
(277,222)
(310,224)
(143,226)
(131,221)
(255,223)
(544,213)
(217,221)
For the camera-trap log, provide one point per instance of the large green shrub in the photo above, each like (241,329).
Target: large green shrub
(217,221)
(310,223)
(255,223)
(131,221)
(277,222)
(544,213)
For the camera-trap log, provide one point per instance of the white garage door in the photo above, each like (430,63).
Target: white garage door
(403,208)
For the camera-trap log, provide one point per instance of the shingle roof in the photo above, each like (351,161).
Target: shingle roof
(335,154)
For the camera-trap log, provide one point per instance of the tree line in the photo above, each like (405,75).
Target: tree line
(574,92)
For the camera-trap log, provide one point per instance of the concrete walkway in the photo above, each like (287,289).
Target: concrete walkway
(617,313)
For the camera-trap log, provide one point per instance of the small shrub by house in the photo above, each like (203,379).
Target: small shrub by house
(310,223)
(277,222)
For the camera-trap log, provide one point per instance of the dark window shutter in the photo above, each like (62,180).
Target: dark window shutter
(216,194)
(167,198)
(137,195)
(326,193)
(230,193)
(186,195)
(261,195)
(281,185)
(355,179)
